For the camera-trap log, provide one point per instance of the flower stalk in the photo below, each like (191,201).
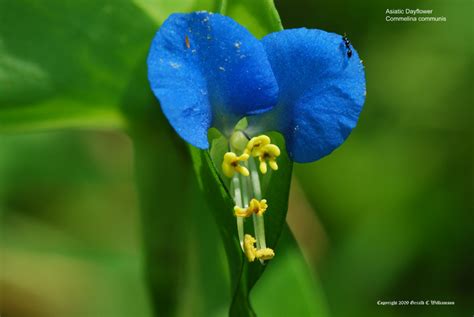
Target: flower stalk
(237,197)
(258,222)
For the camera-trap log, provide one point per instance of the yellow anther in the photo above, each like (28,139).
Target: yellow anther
(252,253)
(255,144)
(242,212)
(268,152)
(264,254)
(255,207)
(230,165)
(249,247)
(262,147)
(258,207)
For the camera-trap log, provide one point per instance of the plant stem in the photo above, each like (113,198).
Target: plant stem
(258,221)
(237,196)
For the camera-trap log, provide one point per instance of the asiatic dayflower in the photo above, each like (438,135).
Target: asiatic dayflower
(209,71)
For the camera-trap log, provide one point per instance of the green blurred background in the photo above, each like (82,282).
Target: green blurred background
(388,216)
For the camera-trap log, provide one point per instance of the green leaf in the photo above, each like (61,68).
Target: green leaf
(288,287)
(163,174)
(67,63)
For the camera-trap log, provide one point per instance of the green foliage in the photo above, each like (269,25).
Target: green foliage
(67,64)
(61,61)
(260,17)
(288,279)
(394,200)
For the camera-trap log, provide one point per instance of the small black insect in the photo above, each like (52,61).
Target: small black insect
(347,43)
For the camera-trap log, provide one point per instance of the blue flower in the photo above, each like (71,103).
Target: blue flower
(209,71)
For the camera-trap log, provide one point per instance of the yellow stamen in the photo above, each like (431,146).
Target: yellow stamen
(252,253)
(242,212)
(255,207)
(258,207)
(268,152)
(249,247)
(230,164)
(263,166)
(265,254)
(273,164)
(262,148)
(255,144)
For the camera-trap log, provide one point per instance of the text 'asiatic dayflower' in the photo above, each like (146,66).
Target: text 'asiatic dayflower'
(209,71)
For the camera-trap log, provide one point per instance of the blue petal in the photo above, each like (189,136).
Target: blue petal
(207,70)
(322,91)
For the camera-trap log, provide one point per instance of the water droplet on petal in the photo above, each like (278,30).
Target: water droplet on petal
(222,69)
(237,44)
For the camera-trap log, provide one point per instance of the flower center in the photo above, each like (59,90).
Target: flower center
(240,165)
